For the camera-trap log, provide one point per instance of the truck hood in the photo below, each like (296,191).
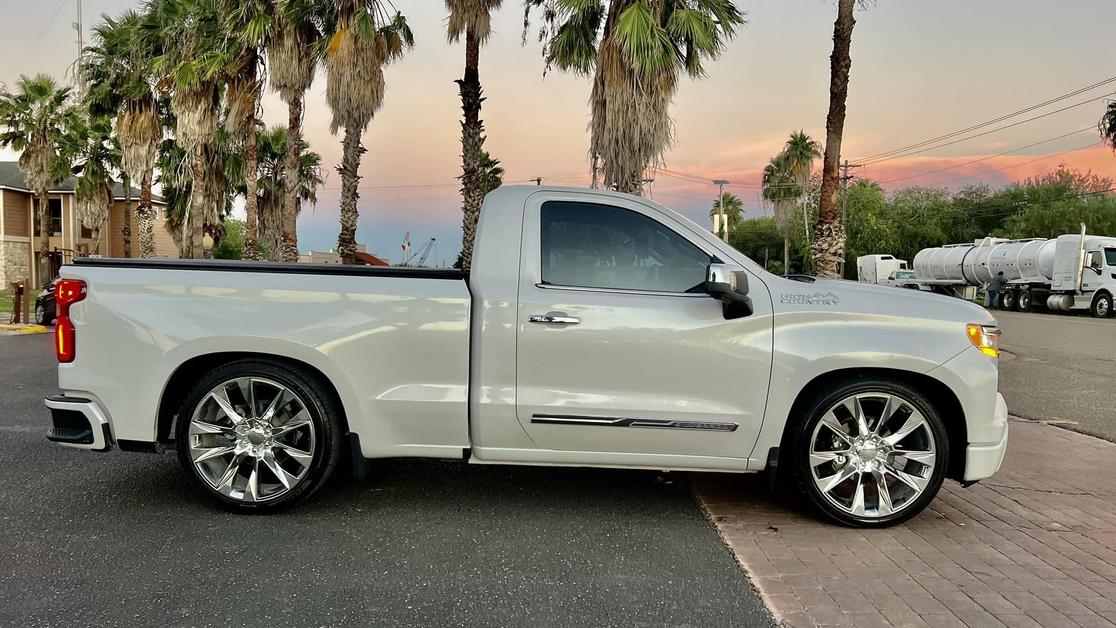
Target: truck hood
(849,297)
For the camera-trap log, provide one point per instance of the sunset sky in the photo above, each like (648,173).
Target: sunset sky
(920,70)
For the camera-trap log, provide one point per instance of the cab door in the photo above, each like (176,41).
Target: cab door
(619,349)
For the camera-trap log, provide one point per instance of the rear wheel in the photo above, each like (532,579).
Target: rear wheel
(872,453)
(1024,302)
(1007,300)
(258,435)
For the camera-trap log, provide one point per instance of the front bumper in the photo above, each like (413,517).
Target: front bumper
(983,460)
(78,423)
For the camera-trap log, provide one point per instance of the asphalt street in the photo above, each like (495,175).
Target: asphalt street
(1060,368)
(122,539)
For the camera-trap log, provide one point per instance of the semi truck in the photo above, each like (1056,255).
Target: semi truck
(594,329)
(1072,272)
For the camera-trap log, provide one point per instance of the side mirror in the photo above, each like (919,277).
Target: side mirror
(729,283)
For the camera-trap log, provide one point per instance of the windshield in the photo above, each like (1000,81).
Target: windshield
(1110,257)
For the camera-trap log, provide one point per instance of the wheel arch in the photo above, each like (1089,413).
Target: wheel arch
(938,393)
(187,373)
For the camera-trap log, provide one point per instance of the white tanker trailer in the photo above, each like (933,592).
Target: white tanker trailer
(1070,272)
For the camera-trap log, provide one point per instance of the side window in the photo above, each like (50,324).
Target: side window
(589,245)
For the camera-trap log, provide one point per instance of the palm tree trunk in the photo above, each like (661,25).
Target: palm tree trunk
(472,145)
(786,255)
(290,180)
(45,226)
(145,219)
(828,243)
(350,164)
(126,228)
(251,183)
(196,219)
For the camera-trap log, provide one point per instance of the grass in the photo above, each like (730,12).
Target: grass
(5,303)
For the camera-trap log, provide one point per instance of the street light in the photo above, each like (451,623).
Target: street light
(721,225)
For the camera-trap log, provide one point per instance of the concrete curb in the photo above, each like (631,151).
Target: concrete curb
(7,329)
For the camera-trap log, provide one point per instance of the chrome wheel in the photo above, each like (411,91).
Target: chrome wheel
(251,439)
(872,455)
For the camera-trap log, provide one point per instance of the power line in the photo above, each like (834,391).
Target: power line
(995,130)
(1015,165)
(994,120)
(974,161)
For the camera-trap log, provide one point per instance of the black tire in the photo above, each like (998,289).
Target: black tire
(800,437)
(1102,306)
(1024,302)
(40,314)
(325,417)
(1007,300)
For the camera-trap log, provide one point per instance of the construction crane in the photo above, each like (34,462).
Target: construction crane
(421,254)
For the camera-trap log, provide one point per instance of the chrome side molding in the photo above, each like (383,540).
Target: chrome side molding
(608,421)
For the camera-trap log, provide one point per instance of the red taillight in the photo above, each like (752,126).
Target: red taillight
(66,293)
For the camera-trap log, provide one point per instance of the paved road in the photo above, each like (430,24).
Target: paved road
(1060,368)
(111,539)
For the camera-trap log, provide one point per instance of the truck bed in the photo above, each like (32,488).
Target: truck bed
(393,341)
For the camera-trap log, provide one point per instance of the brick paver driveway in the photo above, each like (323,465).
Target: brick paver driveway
(1035,545)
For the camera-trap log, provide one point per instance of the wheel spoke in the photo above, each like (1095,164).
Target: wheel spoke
(831,482)
(822,457)
(221,396)
(286,479)
(924,457)
(884,506)
(197,426)
(830,421)
(302,457)
(885,414)
(858,496)
(224,484)
(857,411)
(299,420)
(269,415)
(214,452)
(915,482)
(252,490)
(913,422)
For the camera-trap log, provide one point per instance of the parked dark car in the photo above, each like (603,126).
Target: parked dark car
(44,305)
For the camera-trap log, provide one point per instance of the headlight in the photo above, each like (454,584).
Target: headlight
(984,337)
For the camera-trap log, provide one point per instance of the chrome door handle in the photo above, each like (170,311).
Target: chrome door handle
(555,319)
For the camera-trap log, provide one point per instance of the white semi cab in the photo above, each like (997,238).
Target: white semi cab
(594,329)
(1075,271)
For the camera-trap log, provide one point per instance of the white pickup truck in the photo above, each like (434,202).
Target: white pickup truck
(594,329)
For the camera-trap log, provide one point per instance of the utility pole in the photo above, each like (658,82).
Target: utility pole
(650,192)
(79,75)
(721,183)
(844,179)
(538,180)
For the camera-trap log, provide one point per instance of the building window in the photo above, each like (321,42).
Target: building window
(55,205)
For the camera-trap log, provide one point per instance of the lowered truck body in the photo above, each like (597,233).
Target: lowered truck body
(594,329)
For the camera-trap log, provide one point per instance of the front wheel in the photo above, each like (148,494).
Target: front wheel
(40,314)
(872,453)
(1102,306)
(258,435)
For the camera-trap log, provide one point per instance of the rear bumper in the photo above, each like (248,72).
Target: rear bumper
(78,423)
(982,460)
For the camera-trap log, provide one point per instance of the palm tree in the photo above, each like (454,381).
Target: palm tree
(35,119)
(1107,126)
(272,185)
(490,173)
(828,242)
(117,69)
(222,161)
(471,18)
(96,155)
(780,188)
(799,153)
(291,58)
(250,25)
(363,38)
(189,35)
(636,50)
(733,212)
